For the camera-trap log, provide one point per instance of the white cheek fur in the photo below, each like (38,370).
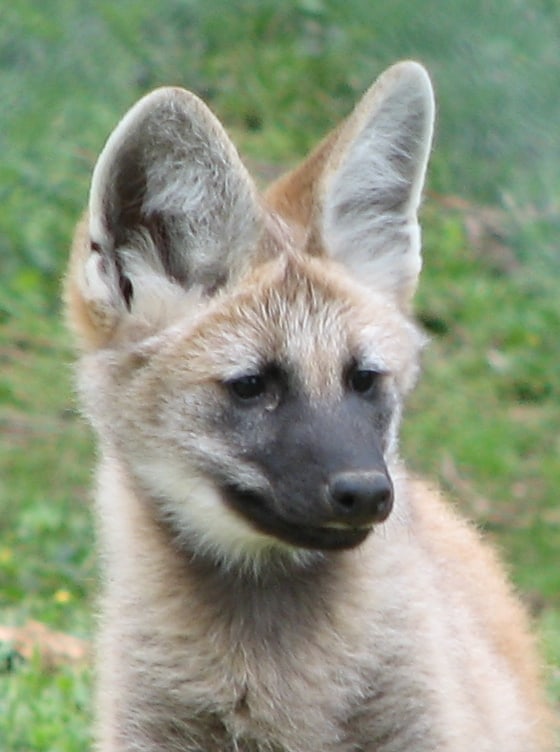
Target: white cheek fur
(203,522)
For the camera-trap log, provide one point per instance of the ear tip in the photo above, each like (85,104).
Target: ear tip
(411,69)
(408,81)
(159,99)
(412,75)
(154,100)
(164,94)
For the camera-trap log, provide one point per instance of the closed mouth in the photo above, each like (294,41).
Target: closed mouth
(256,508)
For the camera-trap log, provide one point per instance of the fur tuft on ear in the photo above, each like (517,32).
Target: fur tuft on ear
(372,183)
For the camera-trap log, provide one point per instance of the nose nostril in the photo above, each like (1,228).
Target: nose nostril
(346,500)
(361,498)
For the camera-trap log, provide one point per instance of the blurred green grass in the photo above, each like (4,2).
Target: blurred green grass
(485,418)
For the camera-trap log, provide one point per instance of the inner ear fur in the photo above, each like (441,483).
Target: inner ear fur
(170,184)
(357,195)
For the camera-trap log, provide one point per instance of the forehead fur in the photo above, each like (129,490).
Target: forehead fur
(306,315)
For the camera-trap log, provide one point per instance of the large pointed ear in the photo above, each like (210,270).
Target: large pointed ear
(171,208)
(359,192)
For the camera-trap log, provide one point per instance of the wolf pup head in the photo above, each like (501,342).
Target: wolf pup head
(246,356)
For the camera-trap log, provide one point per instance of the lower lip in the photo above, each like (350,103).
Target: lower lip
(331,537)
(328,538)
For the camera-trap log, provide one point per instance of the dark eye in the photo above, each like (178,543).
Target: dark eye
(248,387)
(363,380)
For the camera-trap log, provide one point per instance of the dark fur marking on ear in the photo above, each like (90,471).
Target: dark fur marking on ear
(125,285)
(127,290)
(166,235)
(124,196)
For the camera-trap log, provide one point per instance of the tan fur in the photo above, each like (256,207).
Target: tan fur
(87,321)
(217,635)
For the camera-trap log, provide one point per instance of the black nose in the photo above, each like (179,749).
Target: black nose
(360,498)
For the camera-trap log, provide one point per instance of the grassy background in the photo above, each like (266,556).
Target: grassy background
(485,419)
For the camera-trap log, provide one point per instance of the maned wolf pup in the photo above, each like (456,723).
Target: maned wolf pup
(273,580)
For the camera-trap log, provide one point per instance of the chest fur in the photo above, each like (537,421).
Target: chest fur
(244,695)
